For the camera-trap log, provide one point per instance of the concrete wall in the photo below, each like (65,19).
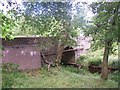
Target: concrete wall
(25,51)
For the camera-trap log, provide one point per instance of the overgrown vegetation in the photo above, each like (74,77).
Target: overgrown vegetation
(66,77)
(9,75)
(115,76)
(58,20)
(104,30)
(95,57)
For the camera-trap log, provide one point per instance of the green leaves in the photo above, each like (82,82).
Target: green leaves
(53,19)
(104,27)
(7,26)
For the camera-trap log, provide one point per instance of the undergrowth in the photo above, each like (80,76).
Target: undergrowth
(96,59)
(66,77)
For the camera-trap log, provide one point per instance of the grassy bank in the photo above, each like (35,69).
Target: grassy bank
(67,77)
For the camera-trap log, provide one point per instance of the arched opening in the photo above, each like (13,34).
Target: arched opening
(68,57)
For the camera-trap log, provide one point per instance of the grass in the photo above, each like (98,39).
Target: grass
(97,57)
(67,77)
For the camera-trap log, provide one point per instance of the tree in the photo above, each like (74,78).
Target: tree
(52,19)
(7,25)
(50,22)
(8,21)
(104,29)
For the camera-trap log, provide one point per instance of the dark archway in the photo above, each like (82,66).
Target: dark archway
(68,57)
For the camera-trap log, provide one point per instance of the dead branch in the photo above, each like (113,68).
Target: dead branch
(43,57)
(48,63)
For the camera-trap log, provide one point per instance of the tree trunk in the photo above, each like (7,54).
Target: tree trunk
(104,71)
(59,54)
(62,43)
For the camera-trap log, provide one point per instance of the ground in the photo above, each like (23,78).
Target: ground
(67,77)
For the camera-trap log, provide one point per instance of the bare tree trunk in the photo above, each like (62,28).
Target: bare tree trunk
(104,71)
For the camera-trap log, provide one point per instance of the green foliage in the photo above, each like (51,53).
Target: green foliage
(95,62)
(47,26)
(91,56)
(114,64)
(95,57)
(7,80)
(115,76)
(7,26)
(9,67)
(72,69)
(45,19)
(65,78)
(104,26)
(9,75)
(55,20)
(82,57)
(42,25)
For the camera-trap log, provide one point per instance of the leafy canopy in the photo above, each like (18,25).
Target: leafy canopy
(55,19)
(7,26)
(104,26)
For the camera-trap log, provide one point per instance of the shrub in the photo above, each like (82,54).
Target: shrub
(115,76)
(95,62)
(9,67)
(8,80)
(115,64)
(82,57)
